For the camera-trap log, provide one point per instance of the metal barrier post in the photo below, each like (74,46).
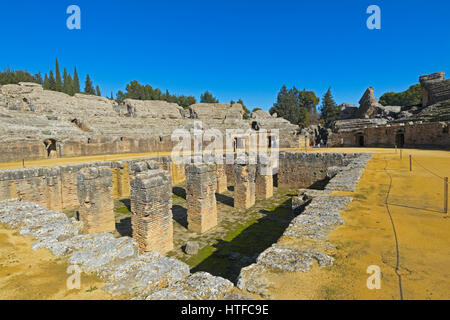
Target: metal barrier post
(446,195)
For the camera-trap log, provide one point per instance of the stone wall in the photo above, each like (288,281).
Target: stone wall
(434,88)
(201,184)
(95,197)
(56,187)
(151,203)
(244,187)
(301,170)
(434,134)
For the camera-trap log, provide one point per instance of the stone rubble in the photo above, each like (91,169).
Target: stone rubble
(114,260)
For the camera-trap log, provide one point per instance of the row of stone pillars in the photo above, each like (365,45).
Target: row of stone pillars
(151,198)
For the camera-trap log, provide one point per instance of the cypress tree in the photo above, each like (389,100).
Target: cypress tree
(68,85)
(64,80)
(51,81)
(97,89)
(76,82)
(112,97)
(88,86)
(58,81)
(46,83)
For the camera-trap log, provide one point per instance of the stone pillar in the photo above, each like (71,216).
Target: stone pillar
(264,179)
(151,203)
(221,178)
(244,188)
(94,189)
(201,198)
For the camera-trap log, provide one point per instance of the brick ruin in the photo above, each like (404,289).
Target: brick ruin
(201,184)
(264,179)
(244,187)
(375,125)
(151,203)
(96,209)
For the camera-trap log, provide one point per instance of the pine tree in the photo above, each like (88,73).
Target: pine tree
(207,97)
(76,82)
(112,96)
(330,110)
(97,89)
(51,81)
(58,81)
(88,86)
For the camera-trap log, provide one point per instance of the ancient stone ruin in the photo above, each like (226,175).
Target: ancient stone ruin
(96,202)
(137,266)
(151,204)
(200,195)
(375,125)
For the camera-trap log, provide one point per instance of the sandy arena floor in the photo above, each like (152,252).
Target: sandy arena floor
(415,202)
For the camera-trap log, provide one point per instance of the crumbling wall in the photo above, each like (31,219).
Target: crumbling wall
(95,197)
(301,170)
(433,134)
(201,186)
(151,203)
(56,187)
(244,188)
(434,88)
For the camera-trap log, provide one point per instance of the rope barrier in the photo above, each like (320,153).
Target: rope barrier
(386,203)
(426,169)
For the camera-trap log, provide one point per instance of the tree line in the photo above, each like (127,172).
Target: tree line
(300,107)
(53,81)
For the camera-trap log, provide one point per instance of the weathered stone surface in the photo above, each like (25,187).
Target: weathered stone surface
(201,186)
(264,179)
(260,114)
(198,286)
(151,203)
(192,247)
(251,279)
(100,257)
(114,260)
(236,296)
(221,176)
(152,109)
(145,274)
(293,260)
(244,188)
(434,88)
(96,202)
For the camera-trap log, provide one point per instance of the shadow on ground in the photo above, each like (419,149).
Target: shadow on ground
(243,245)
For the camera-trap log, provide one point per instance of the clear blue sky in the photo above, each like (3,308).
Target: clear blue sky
(236,49)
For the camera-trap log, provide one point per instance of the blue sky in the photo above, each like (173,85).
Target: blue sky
(236,49)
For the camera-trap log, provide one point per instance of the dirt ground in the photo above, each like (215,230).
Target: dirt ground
(38,275)
(415,202)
